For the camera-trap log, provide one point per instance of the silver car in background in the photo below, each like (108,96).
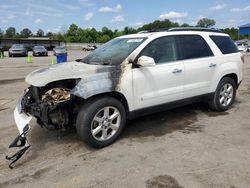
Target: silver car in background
(18,50)
(39,51)
(59,50)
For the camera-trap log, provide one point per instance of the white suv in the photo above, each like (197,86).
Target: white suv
(130,76)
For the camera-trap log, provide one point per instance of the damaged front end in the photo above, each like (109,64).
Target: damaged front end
(53,106)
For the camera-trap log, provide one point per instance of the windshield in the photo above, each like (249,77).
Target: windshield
(113,52)
(59,48)
(18,46)
(39,47)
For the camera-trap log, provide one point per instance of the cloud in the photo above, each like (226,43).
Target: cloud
(247,8)
(218,7)
(11,16)
(37,21)
(138,24)
(200,17)
(71,7)
(27,12)
(4,6)
(86,3)
(33,9)
(172,15)
(105,9)
(4,21)
(88,16)
(7,19)
(118,19)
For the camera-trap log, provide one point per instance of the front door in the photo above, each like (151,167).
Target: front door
(162,83)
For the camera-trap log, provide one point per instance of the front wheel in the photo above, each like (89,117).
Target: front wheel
(101,121)
(224,95)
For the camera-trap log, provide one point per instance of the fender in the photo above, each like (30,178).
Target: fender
(225,69)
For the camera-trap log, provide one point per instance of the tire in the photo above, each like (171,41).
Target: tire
(224,95)
(10,55)
(91,118)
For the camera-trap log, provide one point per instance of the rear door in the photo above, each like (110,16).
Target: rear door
(199,64)
(162,83)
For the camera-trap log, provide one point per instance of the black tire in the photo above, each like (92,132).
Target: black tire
(215,103)
(85,120)
(10,55)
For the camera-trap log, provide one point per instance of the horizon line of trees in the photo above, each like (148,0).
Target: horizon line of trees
(91,35)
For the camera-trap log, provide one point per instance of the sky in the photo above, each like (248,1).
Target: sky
(57,15)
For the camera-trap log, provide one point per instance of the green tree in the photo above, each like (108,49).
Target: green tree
(107,31)
(129,30)
(103,39)
(25,33)
(10,32)
(205,22)
(49,34)
(72,33)
(40,33)
(1,33)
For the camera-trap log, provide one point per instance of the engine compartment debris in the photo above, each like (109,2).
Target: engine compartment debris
(56,95)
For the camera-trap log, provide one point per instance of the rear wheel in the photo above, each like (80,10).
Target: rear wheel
(101,121)
(224,95)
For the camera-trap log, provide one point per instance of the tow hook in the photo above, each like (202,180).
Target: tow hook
(19,141)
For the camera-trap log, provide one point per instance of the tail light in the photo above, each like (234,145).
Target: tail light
(242,59)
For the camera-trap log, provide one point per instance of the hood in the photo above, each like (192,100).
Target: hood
(70,70)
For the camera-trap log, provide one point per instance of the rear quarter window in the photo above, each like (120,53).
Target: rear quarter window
(193,46)
(225,44)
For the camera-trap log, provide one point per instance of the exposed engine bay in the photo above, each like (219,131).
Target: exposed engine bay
(53,105)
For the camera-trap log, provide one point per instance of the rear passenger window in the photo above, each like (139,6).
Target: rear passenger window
(193,46)
(225,44)
(163,50)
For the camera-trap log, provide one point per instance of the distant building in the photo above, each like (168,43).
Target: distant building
(30,42)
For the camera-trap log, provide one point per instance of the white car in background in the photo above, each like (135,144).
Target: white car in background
(242,47)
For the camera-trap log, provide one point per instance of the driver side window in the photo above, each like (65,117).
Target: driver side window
(162,50)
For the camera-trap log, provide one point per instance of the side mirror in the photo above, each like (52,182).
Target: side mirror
(146,61)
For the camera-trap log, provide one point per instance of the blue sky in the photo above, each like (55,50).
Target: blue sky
(57,15)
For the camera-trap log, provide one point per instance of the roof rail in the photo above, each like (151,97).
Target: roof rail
(183,29)
(195,29)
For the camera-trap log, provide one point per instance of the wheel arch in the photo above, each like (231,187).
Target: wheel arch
(117,95)
(233,76)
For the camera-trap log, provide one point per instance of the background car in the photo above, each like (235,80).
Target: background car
(242,47)
(89,47)
(18,50)
(248,47)
(60,50)
(39,51)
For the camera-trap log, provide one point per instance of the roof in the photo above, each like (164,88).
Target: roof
(244,26)
(155,34)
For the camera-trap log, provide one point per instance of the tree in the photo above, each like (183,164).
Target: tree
(103,39)
(1,33)
(205,22)
(49,34)
(129,30)
(72,33)
(40,33)
(25,33)
(10,32)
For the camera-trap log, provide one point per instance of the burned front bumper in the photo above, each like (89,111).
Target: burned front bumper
(22,121)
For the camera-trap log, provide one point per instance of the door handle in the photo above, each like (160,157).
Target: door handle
(212,65)
(177,71)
